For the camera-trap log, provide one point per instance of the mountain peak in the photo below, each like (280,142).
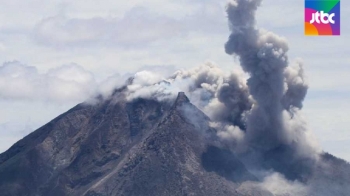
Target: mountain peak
(181,98)
(138,147)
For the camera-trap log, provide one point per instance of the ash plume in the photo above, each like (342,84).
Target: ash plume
(277,87)
(255,117)
(258,114)
(223,97)
(259,117)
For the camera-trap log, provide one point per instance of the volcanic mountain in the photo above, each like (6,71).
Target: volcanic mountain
(143,147)
(139,147)
(237,136)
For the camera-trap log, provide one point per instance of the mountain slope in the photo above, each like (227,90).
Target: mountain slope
(142,147)
(168,162)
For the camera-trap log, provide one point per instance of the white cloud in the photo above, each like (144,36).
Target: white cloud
(138,27)
(2,47)
(63,84)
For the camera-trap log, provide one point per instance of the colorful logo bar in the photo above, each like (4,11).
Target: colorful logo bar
(322,17)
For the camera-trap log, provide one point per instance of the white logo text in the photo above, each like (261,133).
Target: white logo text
(322,17)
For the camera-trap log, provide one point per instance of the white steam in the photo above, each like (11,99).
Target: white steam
(224,97)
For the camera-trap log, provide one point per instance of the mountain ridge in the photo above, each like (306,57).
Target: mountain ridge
(137,147)
(72,156)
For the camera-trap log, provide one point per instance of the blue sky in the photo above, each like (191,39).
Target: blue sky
(54,54)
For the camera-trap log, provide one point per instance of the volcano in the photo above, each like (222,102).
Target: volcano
(139,147)
(231,136)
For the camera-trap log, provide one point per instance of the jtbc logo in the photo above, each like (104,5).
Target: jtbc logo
(316,17)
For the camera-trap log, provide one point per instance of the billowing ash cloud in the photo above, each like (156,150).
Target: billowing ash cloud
(277,87)
(239,117)
(258,118)
(224,97)
(257,114)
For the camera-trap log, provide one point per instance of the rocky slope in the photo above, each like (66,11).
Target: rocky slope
(143,147)
(146,147)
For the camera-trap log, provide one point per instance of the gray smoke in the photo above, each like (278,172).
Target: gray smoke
(223,97)
(258,118)
(257,114)
(277,87)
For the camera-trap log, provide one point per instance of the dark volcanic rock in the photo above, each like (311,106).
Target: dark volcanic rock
(146,147)
(168,161)
(226,164)
(142,147)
